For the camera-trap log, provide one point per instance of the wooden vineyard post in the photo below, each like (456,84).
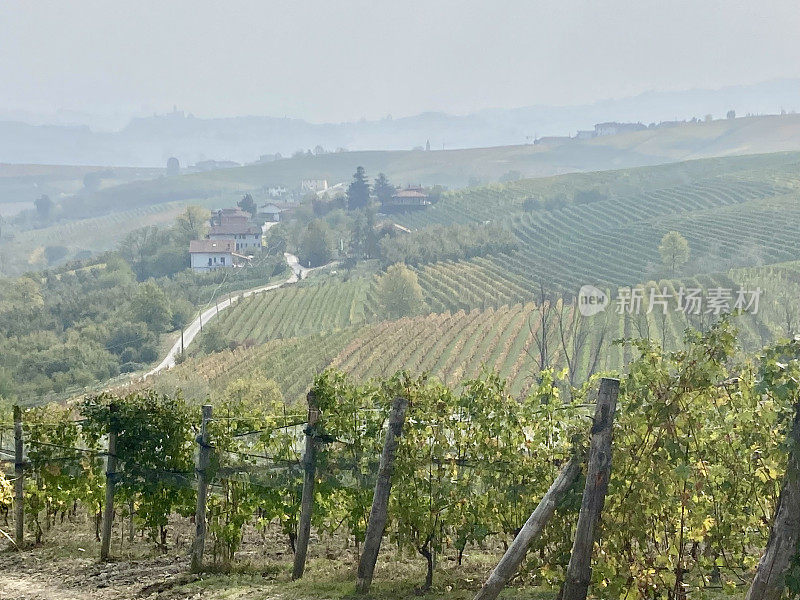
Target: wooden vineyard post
(19,481)
(309,477)
(380,499)
(203,460)
(579,571)
(111,476)
(532,529)
(770,579)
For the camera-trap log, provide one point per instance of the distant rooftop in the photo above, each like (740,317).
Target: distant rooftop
(410,193)
(233,228)
(212,246)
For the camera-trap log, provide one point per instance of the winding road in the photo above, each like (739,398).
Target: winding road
(190,332)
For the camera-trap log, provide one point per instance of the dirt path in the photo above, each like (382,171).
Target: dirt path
(27,576)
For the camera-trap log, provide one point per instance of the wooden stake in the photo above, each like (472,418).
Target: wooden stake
(380,499)
(203,460)
(512,559)
(309,477)
(770,579)
(579,572)
(19,481)
(111,476)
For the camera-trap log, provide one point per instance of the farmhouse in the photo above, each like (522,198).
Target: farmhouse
(271,213)
(229,216)
(208,255)
(245,237)
(413,197)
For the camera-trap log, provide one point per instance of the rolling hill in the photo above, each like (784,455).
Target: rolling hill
(740,216)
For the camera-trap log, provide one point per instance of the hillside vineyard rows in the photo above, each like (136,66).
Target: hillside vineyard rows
(498,371)
(453,443)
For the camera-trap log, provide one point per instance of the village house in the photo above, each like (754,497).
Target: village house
(229,216)
(208,255)
(270,212)
(413,197)
(247,238)
(313,185)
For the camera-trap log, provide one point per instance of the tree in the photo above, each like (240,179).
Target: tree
(399,292)
(247,204)
(358,190)
(44,207)
(674,250)
(382,189)
(138,245)
(192,224)
(277,239)
(150,305)
(316,245)
(182,313)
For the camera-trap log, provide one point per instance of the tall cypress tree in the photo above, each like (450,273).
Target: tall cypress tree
(382,189)
(358,190)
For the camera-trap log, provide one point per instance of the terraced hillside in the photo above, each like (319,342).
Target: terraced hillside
(511,339)
(302,309)
(615,242)
(507,201)
(292,363)
(740,217)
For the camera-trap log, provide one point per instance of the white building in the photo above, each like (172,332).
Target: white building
(271,213)
(314,185)
(276,191)
(208,255)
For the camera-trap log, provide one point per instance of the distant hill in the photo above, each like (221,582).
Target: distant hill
(456,168)
(152,140)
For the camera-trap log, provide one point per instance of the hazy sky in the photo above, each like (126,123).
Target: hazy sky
(331,60)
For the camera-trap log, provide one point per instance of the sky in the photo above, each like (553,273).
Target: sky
(337,60)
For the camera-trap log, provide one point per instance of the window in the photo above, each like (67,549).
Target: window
(209,261)
(222,260)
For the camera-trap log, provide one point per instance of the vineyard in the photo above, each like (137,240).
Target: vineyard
(292,363)
(88,235)
(639,186)
(683,421)
(302,309)
(616,242)
(515,339)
